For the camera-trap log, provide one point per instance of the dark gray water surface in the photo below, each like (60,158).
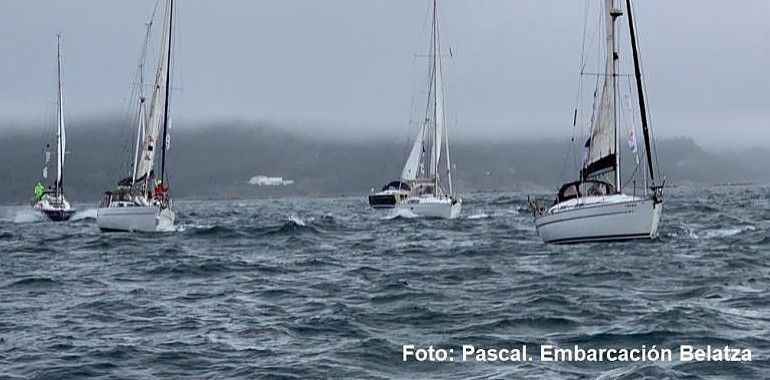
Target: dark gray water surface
(326,288)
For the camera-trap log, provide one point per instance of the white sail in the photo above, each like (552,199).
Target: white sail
(154,123)
(412,166)
(438,90)
(140,133)
(602,141)
(61,135)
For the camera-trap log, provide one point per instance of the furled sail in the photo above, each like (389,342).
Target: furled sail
(601,146)
(154,122)
(47,160)
(412,166)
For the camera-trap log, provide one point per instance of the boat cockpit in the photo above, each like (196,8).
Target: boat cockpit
(397,185)
(584,189)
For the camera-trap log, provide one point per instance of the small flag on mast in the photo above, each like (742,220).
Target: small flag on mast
(631,133)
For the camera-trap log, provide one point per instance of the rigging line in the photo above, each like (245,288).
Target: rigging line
(579,95)
(131,117)
(411,131)
(426,118)
(640,89)
(633,125)
(141,130)
(633,174)
(126,120)
(443,116)
(597,35)
(414,126)
(154,9)
(585,32)
(649,111)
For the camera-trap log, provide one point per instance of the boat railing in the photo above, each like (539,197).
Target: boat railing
(535,206)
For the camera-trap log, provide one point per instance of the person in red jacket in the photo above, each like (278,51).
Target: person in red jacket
(160,190)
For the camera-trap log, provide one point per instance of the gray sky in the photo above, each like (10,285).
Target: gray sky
(348,66)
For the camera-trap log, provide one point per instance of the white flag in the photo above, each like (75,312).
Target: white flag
(631,133)
(45,172)
(632,139)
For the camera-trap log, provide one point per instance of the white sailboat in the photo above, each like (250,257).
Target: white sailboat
(51,202)
(141,202)
(428,170)
(595,208)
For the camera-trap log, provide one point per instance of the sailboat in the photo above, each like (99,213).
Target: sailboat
(428,169)
(596,207)
(141,201)
(51,202)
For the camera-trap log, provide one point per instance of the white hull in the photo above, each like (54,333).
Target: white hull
(600,218)
(432,207)
(135,218)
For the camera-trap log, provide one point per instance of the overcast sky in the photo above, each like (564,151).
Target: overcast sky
(348,66)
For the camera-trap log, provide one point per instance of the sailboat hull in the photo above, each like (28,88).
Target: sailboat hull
(432,207)
(387,199)
(56,209)
(135,219)
(597,219)
(59,215)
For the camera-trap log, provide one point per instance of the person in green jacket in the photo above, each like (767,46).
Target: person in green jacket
(39,190)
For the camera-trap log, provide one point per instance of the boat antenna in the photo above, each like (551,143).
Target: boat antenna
(168,92)
(640,91)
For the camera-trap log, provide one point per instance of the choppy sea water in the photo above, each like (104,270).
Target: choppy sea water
(327,288)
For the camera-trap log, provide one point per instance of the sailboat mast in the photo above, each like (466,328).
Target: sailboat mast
(437,137)
(615,13)
(60,131)
(440,102)
(168,91)
(640,90)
